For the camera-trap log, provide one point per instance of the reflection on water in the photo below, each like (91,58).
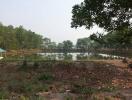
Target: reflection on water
(77,56)
(62,56)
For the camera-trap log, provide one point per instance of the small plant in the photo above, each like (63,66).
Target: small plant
(24,63)
(67,57)
(68,98)
(3,95)
(28,87)
(83,90)
(45,77)
(24,98)
(35,65)
(108,89)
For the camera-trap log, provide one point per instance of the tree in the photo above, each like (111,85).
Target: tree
(60,46)
(18,38)
(86,44)
(119,39)
(52,45)
(46,42)
(107,14)
(67,45)
(82,43)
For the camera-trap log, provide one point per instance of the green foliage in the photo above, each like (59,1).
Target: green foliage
(108,89)
(19,38)
(67,57)
(46,77)
(65,63)
(108,14)
(68,98)
(3,94)
(67,45)
(114,39)
(48,44)
(83,90)
(87,44)
(24,63)
(36,64)
(24,98)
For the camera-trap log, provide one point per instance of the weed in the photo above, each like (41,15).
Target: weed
(36,64)
(108,89)
(24,65)
(45,77)
(24,98)
(84,90)
(3,95)
(68,98)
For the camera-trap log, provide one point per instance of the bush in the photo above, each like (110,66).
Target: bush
(45,77)
(35,65)
(24,63)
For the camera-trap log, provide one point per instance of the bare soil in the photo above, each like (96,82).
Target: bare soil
(89,80)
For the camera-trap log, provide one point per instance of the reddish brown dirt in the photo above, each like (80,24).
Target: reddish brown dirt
(95,74)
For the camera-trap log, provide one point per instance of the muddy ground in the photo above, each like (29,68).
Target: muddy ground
(64,80)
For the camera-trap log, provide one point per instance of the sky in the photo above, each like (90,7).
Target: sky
(50,18)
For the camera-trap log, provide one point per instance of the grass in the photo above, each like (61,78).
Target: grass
(68,98)
(108,89)
(83,90)
(4,94)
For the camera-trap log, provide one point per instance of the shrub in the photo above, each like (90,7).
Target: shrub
(24,63)
(45,77)
(36,64)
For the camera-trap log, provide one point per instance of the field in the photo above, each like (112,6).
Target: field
(66,80)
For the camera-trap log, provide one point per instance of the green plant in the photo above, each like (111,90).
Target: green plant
(45,77)
(28,87)
(108,89)
(24,63)
(83,90)
(24,98)
(35,65)
(68,98)
(3,95)
(80,98)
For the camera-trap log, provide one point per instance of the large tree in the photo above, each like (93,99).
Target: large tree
(107,14)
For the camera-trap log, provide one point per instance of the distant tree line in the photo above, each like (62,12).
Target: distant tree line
(19,38)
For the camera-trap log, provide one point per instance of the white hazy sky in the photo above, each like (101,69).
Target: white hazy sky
(50,18)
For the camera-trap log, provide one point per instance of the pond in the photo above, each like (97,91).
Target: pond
(77,56)
(63,56)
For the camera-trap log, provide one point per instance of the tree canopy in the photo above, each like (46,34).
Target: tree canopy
(67,45)
(107,14)
(19,38)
